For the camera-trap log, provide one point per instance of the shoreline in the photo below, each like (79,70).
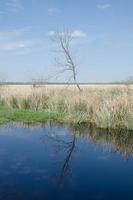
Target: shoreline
(8,115)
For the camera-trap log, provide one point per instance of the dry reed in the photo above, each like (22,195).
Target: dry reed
(106,106)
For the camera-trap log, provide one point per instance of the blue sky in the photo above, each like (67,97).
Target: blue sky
(103,31)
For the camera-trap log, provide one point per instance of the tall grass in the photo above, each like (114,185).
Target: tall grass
(107,107)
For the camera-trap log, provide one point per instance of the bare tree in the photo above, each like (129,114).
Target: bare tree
(64,40)
(39,81)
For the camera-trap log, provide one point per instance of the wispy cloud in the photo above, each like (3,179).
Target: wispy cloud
(54,11)
(79,34)
(21,47)
(103,6)
(17,45)
(13,34)
(14,5)
(75,33)
(16,41)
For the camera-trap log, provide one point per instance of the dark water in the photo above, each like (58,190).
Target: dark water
(63,162)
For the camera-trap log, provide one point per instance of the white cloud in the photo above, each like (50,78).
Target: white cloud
(78,34)
(51,33)
(16,41)
(103,6)
(14,5)
(75,34)
(13,34)
(54,11)
(17,45)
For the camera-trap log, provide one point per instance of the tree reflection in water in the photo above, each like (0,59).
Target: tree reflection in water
(119,141)
(65,170)
(69,145)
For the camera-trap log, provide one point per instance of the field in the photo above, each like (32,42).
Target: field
(106,106)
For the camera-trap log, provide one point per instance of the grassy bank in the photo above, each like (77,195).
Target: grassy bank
(12,114)
(104,106)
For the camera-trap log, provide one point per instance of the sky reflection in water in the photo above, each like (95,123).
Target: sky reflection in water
(52,161)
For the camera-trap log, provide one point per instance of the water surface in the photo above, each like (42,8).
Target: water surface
(51,161)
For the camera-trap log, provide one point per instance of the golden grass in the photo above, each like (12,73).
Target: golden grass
(107,106)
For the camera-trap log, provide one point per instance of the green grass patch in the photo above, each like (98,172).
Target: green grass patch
(3,120)
(10,114)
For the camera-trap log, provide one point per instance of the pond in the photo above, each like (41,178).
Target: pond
(53,161)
